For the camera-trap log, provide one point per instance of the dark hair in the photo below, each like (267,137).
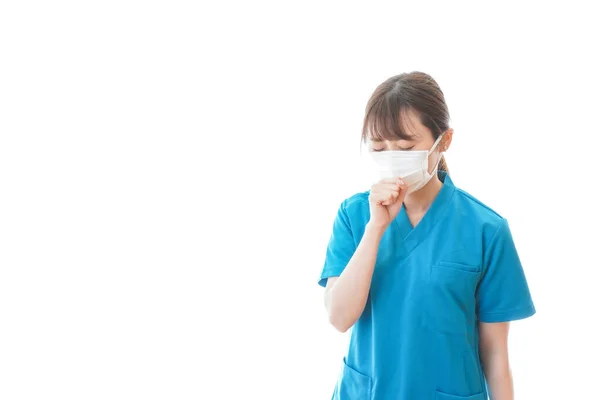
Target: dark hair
(386,110)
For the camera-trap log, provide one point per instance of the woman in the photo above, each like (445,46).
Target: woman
(427,276)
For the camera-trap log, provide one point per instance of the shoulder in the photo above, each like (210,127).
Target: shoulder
(356,207)
(356,201)
(476,206)
(476,212)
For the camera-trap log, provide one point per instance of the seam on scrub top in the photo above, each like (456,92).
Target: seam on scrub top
(440,265)
(477,201)
(473,267)
(508,311)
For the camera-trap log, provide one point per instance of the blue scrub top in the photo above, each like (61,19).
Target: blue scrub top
(417,338)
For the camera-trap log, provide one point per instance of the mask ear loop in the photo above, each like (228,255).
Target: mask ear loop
(437,141)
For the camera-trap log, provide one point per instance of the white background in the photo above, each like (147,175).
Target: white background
(170,171)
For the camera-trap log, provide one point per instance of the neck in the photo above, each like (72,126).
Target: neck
(420,200)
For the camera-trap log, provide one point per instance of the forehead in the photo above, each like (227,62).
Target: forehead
(409,128)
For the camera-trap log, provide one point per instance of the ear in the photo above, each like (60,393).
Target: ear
(446,140)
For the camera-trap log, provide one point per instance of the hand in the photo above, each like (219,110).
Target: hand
(385,200)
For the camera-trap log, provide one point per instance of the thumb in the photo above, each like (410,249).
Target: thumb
(403,190)
(395,207)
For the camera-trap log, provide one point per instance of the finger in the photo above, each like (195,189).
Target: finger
(397,199)
(402,186)
(390,184)
(386,187)
(390,198)
(383,198)
(402,189)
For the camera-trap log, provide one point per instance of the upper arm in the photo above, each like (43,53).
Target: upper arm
(493,336)
(340,248)
(330,282)
(493,346)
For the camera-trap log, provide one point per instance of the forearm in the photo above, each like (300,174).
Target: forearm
(346,300)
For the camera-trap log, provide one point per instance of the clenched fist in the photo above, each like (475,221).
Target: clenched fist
(385,200)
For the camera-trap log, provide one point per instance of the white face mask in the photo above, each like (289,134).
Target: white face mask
(410,165)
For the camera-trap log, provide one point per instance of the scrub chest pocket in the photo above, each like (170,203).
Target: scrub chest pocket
(448,297)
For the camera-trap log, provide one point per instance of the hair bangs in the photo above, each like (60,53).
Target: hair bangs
(386,119)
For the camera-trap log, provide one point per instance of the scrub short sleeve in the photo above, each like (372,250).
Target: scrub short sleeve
(341,246)
(503,293)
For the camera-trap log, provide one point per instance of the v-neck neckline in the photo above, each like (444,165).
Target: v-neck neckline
(412,236)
